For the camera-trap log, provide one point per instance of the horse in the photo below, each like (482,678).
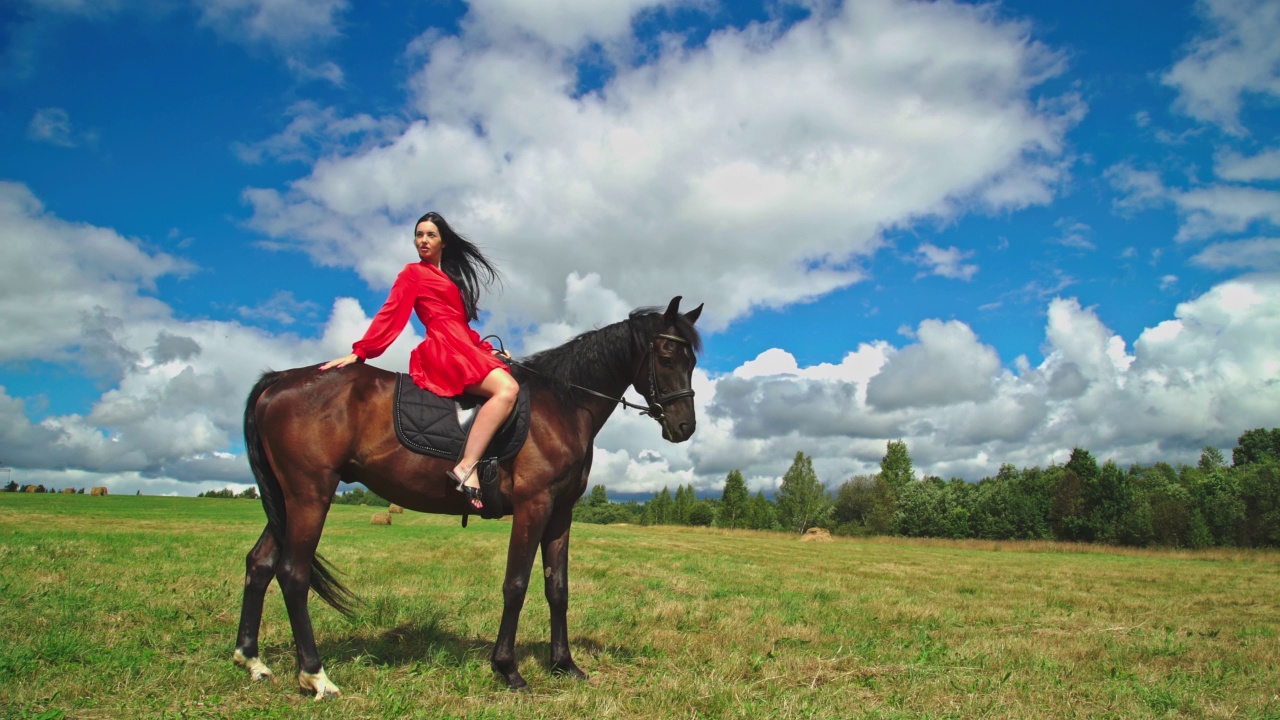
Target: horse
(306,431)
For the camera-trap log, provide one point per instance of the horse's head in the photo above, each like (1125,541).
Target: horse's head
(665,374)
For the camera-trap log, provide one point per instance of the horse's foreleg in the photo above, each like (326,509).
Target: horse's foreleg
(555,570)
(293,572)
(527,527)
(260,566)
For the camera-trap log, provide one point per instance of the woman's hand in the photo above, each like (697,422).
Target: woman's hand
(341,362)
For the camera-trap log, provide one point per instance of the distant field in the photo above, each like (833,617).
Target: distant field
(123,607)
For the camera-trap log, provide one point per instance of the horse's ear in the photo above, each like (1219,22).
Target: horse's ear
(669,317)
(692,315)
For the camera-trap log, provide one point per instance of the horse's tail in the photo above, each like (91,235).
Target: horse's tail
(323,581)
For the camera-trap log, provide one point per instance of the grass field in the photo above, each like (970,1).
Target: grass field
(123,607)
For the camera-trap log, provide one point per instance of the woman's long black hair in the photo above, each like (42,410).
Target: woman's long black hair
(463,262)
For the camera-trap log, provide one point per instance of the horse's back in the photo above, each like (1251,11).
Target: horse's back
(308,407)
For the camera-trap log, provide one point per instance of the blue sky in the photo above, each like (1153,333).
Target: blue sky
(996,231)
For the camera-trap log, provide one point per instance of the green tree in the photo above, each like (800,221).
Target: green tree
(762,515)
(733,501)
(660,508)
(1211,459)
(598,497)
(1014,505)
(701,514)
(1255,446)
(895,466)
(683,503)
(802,500)
(854,503)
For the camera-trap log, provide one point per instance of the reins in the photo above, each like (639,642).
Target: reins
(655,409)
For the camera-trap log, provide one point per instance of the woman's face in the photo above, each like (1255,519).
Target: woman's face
(426,237)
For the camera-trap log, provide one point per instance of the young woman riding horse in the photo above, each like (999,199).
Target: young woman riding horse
(307,430)
(443,288)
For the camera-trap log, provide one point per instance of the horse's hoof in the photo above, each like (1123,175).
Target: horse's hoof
(510,673)
(569,669)
(319,684)
(258,670)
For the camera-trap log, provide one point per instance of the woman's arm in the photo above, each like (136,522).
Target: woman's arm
(387,324)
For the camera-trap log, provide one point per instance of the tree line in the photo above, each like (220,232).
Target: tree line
(1210,504)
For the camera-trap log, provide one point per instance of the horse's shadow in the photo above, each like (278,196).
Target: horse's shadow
(428,640)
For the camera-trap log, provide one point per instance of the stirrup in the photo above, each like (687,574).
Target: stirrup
(472,494)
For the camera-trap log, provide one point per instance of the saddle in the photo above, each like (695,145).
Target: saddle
(438,426)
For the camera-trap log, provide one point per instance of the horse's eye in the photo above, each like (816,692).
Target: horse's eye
(666,362)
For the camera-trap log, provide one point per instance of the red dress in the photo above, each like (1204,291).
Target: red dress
(452,356)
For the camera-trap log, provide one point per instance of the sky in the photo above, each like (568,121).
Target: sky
(996,231)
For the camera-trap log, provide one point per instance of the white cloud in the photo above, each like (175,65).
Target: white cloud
(1225,209)
(282,308)
(1256,254)
(945,262)
(175,393)
(280,22)
(1205,211)
(1203,377)
(1234,166)
(314,132)
(1073,234)
(1238,57)
(169,419)
(564,24)
(328,71)
(703,157)
(53,125)
(946,365)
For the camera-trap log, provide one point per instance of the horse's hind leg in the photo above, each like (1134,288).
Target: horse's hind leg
(293,572)
(555,570)
(260,566)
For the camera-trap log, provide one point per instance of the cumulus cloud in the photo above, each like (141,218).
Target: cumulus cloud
(1073,234)
(280,22)
(1214,209)
(696,157)
(169,418)
(1239,56)
(1265,165)
(52,125)
(945,262)
(1202,377)
(947,365)
(172,409)
(1256,254)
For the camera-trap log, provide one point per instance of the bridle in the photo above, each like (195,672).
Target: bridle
(656,401)
(656,408)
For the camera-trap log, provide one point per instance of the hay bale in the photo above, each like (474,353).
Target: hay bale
(68,491)
(98,491)
(815,535)
(29,488)
(380,519)
(395,509)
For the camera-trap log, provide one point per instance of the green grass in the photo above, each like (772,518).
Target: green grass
(122,607)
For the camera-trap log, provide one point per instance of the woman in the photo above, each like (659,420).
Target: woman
(443,288)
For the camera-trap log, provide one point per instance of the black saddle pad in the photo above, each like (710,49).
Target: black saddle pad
(432,425)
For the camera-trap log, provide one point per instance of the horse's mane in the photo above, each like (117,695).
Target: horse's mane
(599,358)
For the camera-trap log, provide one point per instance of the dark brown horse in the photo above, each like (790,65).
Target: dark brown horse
(306,431)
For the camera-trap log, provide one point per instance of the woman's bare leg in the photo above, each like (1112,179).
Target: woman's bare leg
(501,390)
